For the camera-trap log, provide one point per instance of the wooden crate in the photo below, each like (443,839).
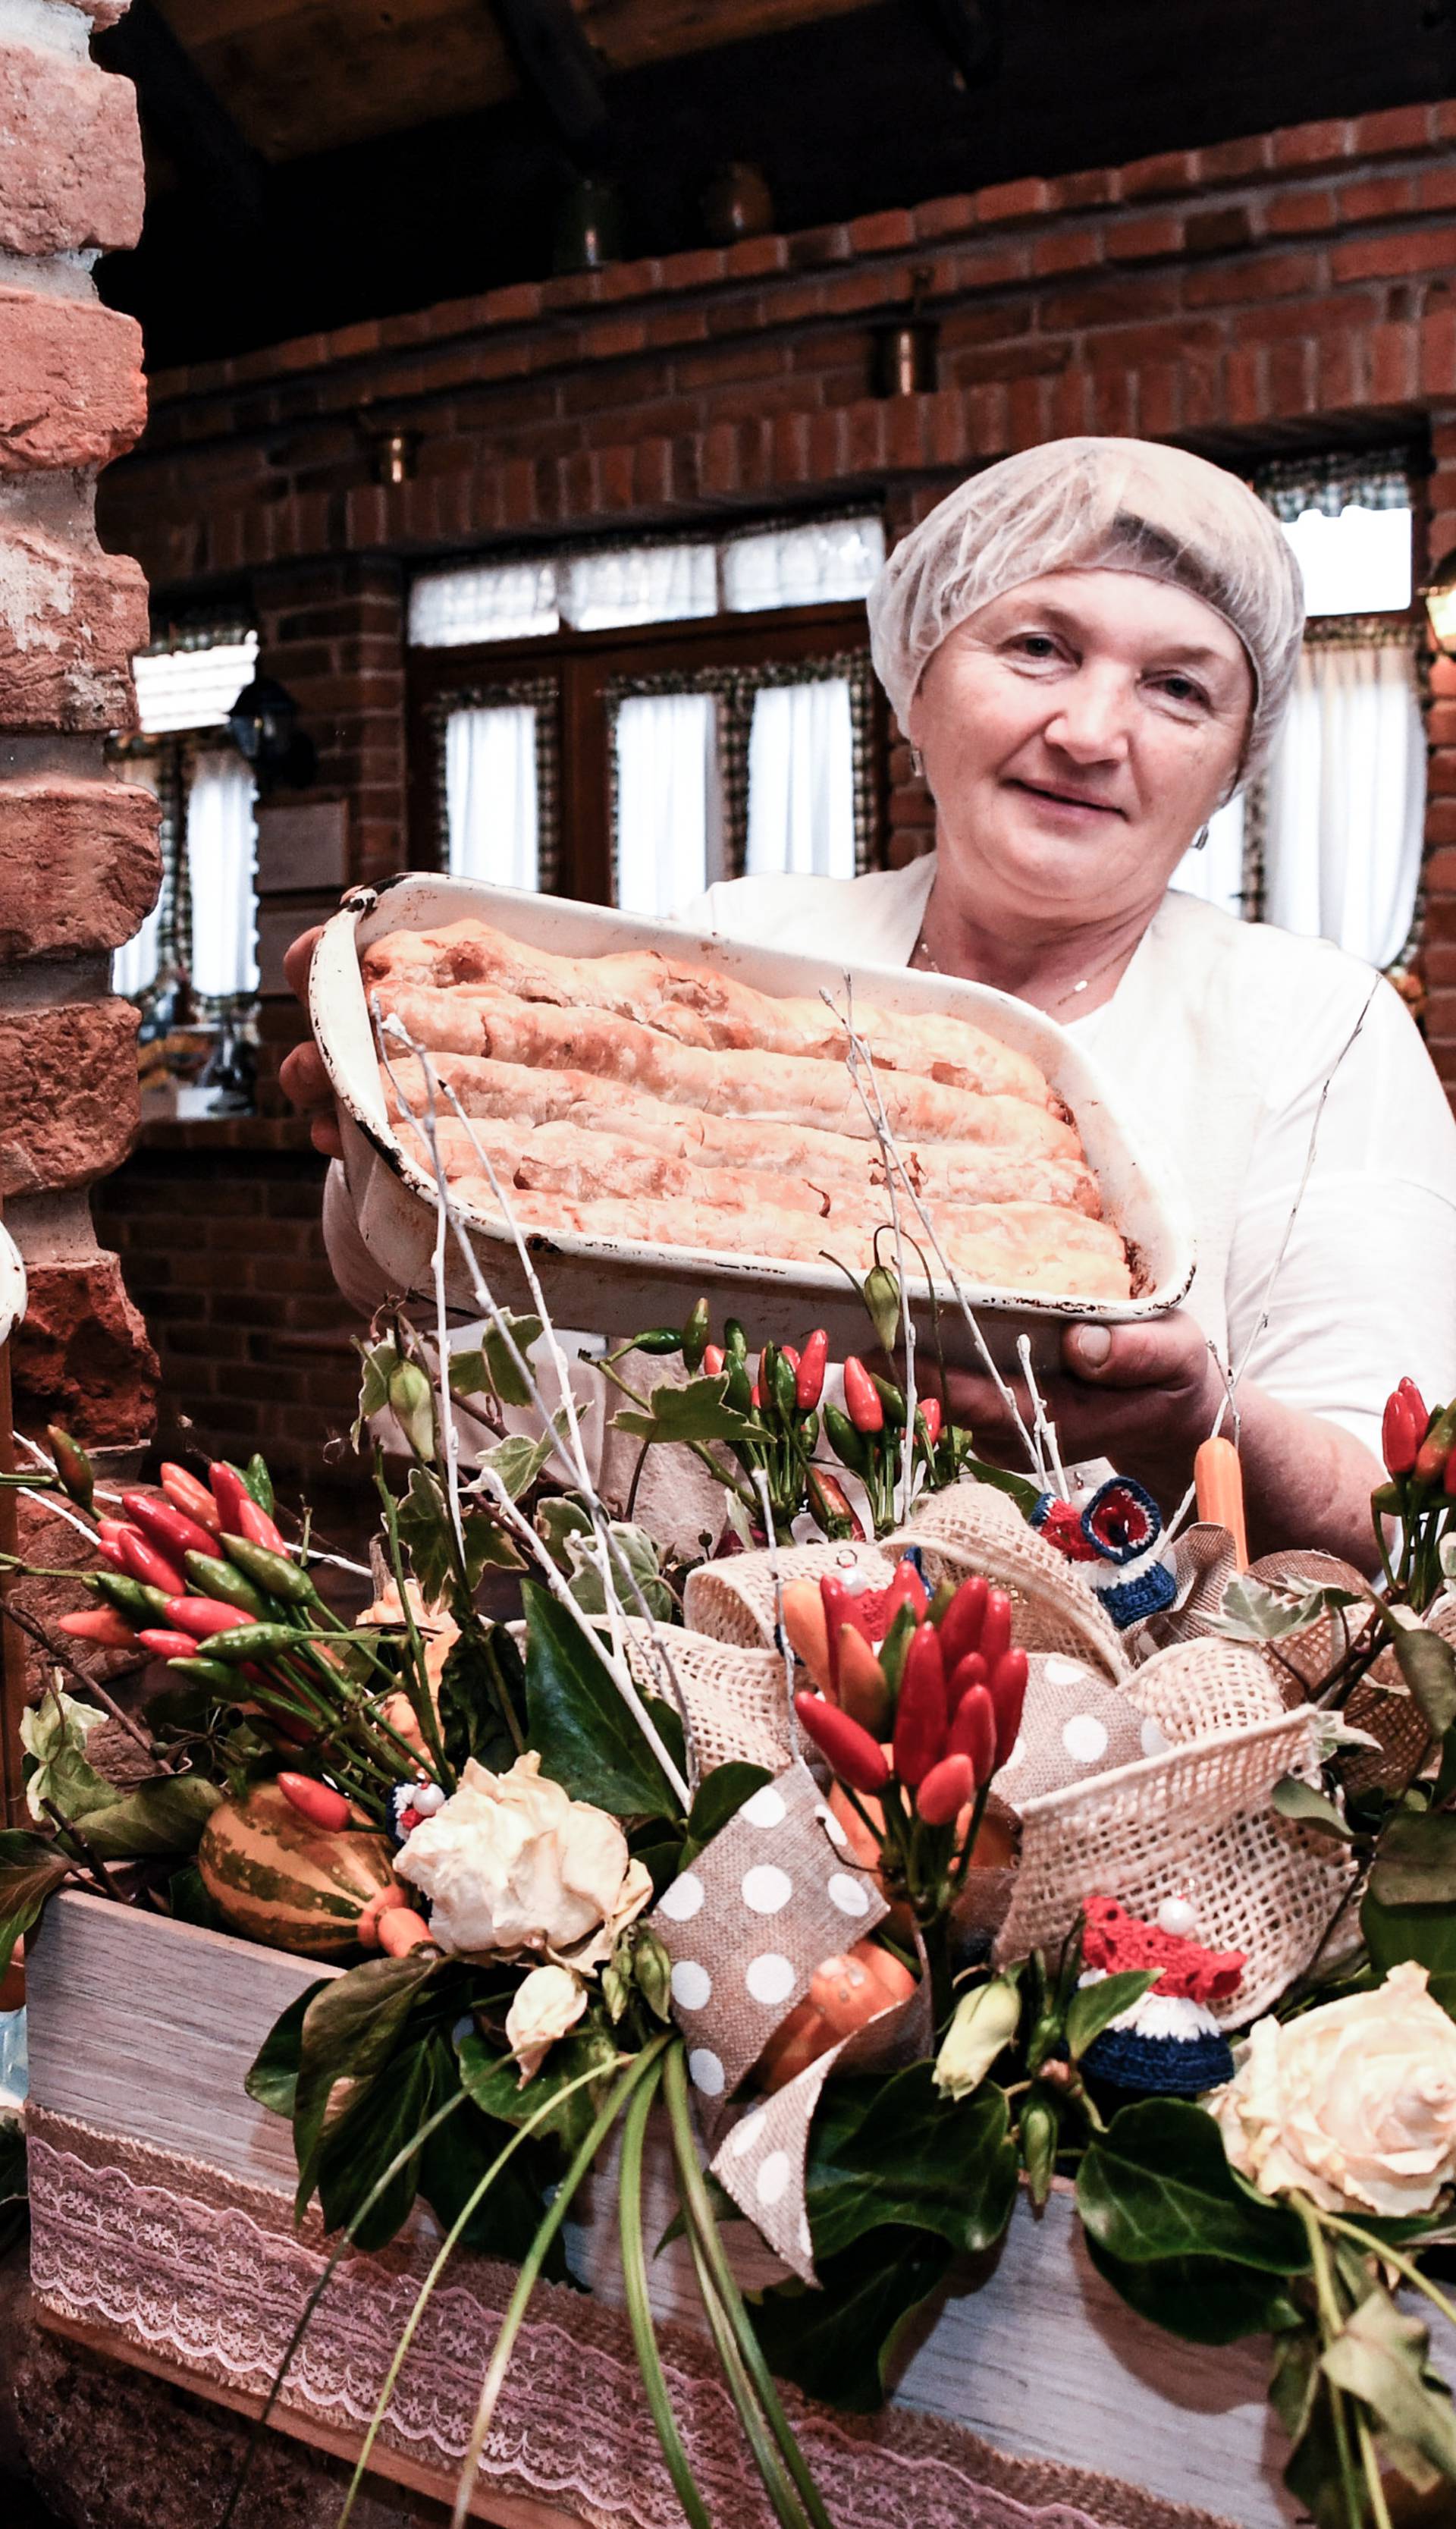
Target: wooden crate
(141,2031)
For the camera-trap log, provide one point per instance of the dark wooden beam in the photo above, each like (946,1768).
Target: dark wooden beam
(187,116)
(556,65)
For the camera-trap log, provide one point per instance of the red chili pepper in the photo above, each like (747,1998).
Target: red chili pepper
(228,1492)
(929,1415)
(973,1733)
(145,1563)
(755,1396)
(945,1790)
(254,1524)
(110,1529)
(904,1588)
(1399,1437)
(862,1397)
(831,1505)
(164,1645)
(318,1801)
(996,1633)
(1435,1451)
(787,1353)
(713,1358)
(968,1672)
(808,1380)
(171,1530)
(201,1617)
(842,1606)
(960,1625)
(108,1548)
(920,1713)
(103,1625)
(856,1758)
(191,1497)
(1007,1695)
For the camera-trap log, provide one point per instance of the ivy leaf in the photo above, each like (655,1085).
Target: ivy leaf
(1093,2006)
(642,1556)
(1251,1613)
(1157,2184)
(1429,1666)
(459,2155)
(54,1734)
(559,1518)
(424,1535)
(1381,2356)
(273,2074)
(489,1370)
(840,2344)
(723,1794)
(1203,2299)
(1018,1488)
(493,2080)
(697,1412)
(162,1817)
(516,1461)
(1304,1805)
(895,2154)
(587,1738)
(351,2031)
(1416,1860)
(1424,1933)
(31,1869)
(376,1364)
(481,1671)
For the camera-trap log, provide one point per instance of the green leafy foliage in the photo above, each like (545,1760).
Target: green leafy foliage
(721,1795)
(1427,1665)
(1383,2356)
(1093,2007)
(1156,2193)
(54,1734)
(1251,1613)
(492,1368)
(642,1558)
(697,1412)
(516,1461)
(273,2074)
(457,2157)
(493,2082)
(587,1738)
(840,2344)
(31,1871)
(158,1818)
(425,1536)
(482,1675)
(1416,1863)
(1414,1852)
(361,2090)
(895,2153)
(1305,1806)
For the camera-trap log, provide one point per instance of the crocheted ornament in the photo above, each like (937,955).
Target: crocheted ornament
(1168,2042)
(1118,1530)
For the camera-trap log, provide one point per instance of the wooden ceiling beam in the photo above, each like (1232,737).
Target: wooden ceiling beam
(555,64)
(188,118)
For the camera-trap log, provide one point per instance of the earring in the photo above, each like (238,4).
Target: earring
(1200,839)
(917,761)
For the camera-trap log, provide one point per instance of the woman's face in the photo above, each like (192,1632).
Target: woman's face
(1076,733)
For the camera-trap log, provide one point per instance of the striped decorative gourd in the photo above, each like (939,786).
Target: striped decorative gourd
(278,1878)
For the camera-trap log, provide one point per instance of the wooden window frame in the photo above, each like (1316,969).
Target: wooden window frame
(583,667)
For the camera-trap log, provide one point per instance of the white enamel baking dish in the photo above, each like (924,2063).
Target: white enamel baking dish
(620,1285)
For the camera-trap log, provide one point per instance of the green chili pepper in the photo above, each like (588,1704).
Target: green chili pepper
(740,1386)
(131,1599)
(891,1400)
(1041,2131)
(260,1484)
(736,1341)
(253,1643)
(881,1297)
(658,1339)
(73,1466)
(206,1672)
(847,1444)
(695,1335)
(945,1591)
(808,1432)
(896,1643)
(785,1386)
(277,1574)
(218,1579)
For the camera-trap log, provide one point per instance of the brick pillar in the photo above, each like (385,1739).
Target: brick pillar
(1438,953)
(78,863)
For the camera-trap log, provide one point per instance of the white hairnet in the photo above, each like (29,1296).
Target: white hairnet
(1096,504)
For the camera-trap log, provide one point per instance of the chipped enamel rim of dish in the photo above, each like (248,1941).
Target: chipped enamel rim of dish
(12,1285)
(592,1281)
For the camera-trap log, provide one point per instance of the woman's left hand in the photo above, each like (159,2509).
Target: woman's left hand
(1141,1395)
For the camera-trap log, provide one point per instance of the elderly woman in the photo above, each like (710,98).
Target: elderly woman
(1090,647)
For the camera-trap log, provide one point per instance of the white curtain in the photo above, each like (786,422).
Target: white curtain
(831,559)
(222,851)
(668,803)
(638,584)
(489,602)
(1354,561)
(133,966)
(1216,873)
(801,781)
(1347,800)
(490,795)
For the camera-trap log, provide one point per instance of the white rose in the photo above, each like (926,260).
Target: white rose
(548,2002)
(1354,2104)
(511,1863)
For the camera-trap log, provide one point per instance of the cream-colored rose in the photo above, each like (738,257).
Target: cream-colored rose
(548,2002)
(1354,2104)
(511,1863)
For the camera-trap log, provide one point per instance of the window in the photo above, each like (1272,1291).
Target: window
(631,723)
(1328,841)
(193,966)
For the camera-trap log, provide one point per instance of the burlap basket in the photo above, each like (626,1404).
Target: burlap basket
(1194,1824)
(734,1599)
(735,1694)
(973,1527)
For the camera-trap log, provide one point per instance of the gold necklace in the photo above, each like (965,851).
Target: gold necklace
(920,955)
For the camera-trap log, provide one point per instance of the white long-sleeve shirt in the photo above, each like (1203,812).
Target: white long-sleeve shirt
(1227,1041)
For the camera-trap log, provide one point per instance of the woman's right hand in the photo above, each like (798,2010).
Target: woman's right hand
(301,1075)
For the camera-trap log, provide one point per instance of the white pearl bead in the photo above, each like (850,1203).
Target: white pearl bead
(427,1797)
(1176,1916)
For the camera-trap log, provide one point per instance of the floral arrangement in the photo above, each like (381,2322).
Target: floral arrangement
(504,1835)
